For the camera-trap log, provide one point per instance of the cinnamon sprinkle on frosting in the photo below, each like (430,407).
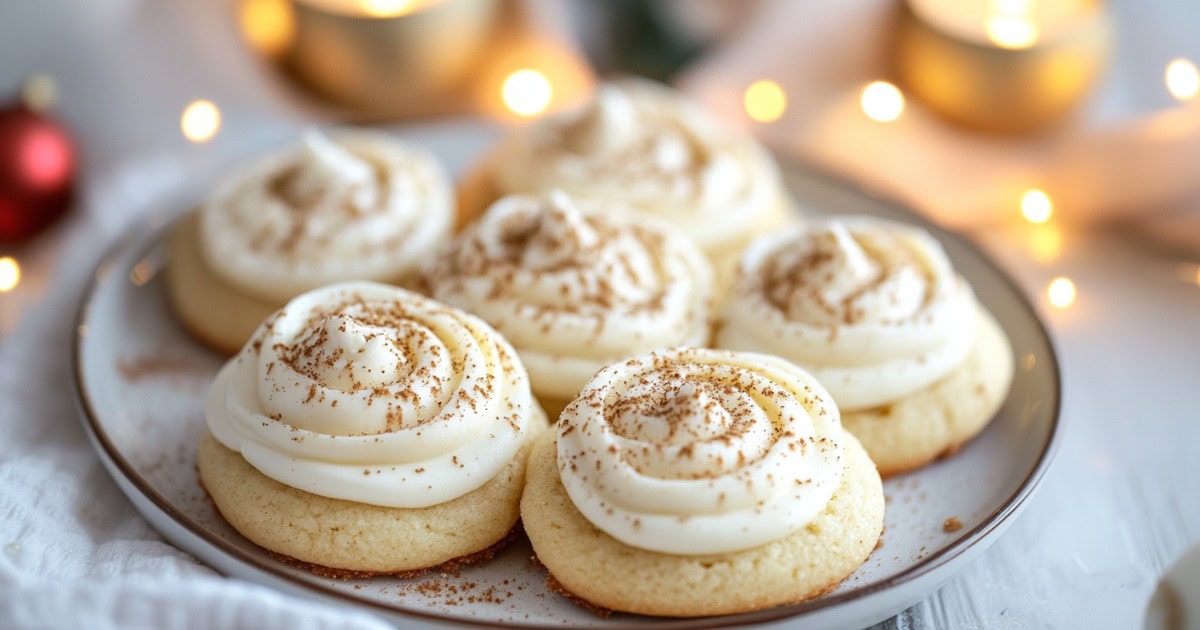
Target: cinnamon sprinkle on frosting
(575,284)
(667,450)
(382,382)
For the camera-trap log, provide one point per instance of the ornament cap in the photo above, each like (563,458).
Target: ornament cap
(39,92)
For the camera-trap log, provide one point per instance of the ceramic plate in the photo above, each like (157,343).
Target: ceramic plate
(140,382)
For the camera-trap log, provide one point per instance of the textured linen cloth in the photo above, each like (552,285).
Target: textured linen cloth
(73,551)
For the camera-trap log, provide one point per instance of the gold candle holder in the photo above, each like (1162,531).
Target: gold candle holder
(1006,66)
(380,58)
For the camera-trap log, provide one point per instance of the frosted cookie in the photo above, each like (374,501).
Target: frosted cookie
(876,312)
(698,482)
(365,429)
(645,146)
(575,285)
(355,206)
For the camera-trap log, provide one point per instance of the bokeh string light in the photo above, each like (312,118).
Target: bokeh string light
(527,92)
(882,102)
(10,274)
(1061,292)
(1036,206)
(1045,243)
(765,101)
(201,121)
(1182,79)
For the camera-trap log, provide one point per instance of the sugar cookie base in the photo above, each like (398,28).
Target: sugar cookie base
(940,419)
(220,316)
(589,565)
(346,538)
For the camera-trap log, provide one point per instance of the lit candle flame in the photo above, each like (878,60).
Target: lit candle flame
(10,274)
(1011,33)
(1010,24)
(1183,79)
(527,92)
(1036,206)
(765,101)
(882,102)
(1061,292)
(200,121)
(387,8)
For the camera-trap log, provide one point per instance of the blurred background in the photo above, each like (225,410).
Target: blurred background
(1061,135)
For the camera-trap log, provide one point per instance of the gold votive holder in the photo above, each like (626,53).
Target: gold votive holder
(984,81)
(411,58)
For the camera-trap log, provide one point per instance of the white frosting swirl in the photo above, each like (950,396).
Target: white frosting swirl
(640,144)
(361,206)
(871,307)
(373,394)
(694,451)
(575,285)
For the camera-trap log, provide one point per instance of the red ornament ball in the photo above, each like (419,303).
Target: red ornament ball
(37,172)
